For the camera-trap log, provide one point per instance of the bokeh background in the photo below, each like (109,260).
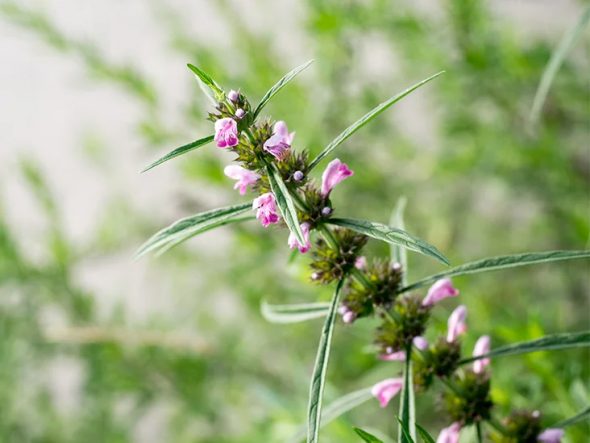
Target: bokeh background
(98,347)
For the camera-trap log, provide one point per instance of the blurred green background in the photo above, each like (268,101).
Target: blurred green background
(97,347)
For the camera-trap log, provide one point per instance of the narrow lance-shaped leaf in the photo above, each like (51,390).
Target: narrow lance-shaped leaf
(335,409)
(366,119)
(368,438)
(407,432)
(567,42)
(278,86)
(550,342)
(573,420)
(390,235)
(424,435)
(399,254)
(318,378)
(285,203)
(293,313)
(188,227)
(206,80)
(181,150)
(500,262)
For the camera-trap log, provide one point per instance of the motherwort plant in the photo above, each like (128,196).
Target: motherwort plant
(286,193)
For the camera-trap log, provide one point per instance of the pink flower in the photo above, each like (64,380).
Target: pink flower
(243,176)
(450,434)
(226,132)
(482,347)
(240,113)
(420,342)
(335,172)
(551,435)
(385,390)
(280,141)
(439,291)
(233,95)
(456,323)
(348,316)
(293,243)
(266,206)
(361,262)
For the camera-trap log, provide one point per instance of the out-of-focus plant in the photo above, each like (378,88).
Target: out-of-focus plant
(288,196)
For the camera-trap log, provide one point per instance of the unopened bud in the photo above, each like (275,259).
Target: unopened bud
(240,113)
(326,211)
(233,95)
(298,176)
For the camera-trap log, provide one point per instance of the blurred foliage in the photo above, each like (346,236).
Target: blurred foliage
(478,183)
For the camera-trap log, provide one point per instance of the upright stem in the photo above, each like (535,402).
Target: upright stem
(407,401)
(479,435)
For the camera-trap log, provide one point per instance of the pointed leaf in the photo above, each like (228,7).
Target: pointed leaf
(369,438)
(285,202)
(399,254)
(293,313)
(424,435)
(188,227)
(207,81)
(335,409)
(404,434)
(390,235)
(179,151)
(501,262)
(366,119)
(550,342)
(407,407)
(573,420)
(278,86)
(318,378)
(568,40)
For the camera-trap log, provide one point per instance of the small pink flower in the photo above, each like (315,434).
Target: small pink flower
(280,141)
(348,316)
(420,342)
(335,172)
(551,435)
(293,243)
(456,323)
(243,176)
(233,95)
(482,347)
(226,132)
(450,434)
(393,356)
(240,113)
(385,390)
(361,262)
(266,206)
(439,291)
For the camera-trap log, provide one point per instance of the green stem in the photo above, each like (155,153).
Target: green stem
(479,435)
(328,236)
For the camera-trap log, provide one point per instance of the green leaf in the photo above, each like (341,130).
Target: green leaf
(206,80)
(188,227)
(335,409)
(390,235)
(366,119)
(573,420)
(407,406)
(179,151)
(424,435)
(278,86)
(369,438)
(318,378)
(550,342)
(500,262)
(399,254)
(285,202)
(293,313)
(568,40)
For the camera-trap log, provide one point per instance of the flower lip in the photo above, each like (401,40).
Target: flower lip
(279,143)
(385,390)
(335,172)
(440,290)
(294,243)
(244,177)
(226,133)
(266,207)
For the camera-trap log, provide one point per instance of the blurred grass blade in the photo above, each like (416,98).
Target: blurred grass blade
(424,435)
(293,313)
(369,438)
(399,254)
(278,86)
(550,342)
(188,227)
(179,151)
(407,432)
(390,235)
(573,420)
(366,119)
(500,262)
(285,202)
(565,45)
(206,80)
(318,378)
(335,409)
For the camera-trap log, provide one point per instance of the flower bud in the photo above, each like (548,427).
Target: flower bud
(385,390)
(233,96)
(456,323)
(326,210)
(240,113)
(335,172)
(551,435)
(298,176)
(439,291)
(482,347)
